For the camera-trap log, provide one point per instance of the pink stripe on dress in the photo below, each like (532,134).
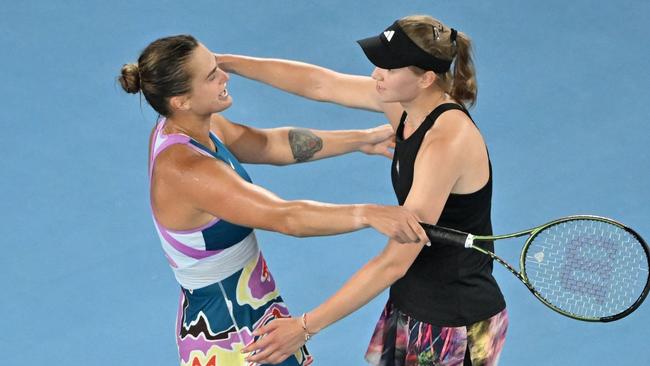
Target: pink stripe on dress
(169,140)
(185,249)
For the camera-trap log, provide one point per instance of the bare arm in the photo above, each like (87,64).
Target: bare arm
(287,145)
(212,187)
(313,82)
(426,198)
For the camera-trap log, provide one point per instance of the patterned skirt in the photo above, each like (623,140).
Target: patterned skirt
(399,340)
(215,322)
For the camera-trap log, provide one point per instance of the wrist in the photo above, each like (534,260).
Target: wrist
(362,215)
(362,138)
(228,62)
(310,325)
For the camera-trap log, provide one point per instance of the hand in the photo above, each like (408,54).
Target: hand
(379,141)
(280,338)
(397,223)
(222,62)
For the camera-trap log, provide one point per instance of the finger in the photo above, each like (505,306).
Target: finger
(410,231)
(422,234)
(259,331)
(252,347)
(387,153)
(414,224)
(262,355)
(267,328)
(419,230)
(261,343)
(387,129)
(401,237)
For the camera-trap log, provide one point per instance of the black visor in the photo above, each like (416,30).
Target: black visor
(393,49)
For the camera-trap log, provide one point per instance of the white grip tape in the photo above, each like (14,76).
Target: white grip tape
(469,241)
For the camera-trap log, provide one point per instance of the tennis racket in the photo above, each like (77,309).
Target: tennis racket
(588,268)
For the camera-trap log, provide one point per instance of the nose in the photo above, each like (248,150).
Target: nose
(377,74)
(223,76)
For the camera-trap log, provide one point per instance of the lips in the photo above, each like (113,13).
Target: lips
(224,94)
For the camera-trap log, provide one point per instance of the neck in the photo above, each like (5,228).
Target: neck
(420,107)
(192,125)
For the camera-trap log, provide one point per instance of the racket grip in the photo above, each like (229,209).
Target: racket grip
(443,235)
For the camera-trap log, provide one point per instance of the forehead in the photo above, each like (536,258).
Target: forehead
(202,61)
(404,72)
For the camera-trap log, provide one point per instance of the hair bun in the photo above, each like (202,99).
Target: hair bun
(130,78)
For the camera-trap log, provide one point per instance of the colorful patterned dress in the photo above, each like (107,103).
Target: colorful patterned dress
(226,288)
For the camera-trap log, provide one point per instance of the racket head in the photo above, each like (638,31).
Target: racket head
(586,267)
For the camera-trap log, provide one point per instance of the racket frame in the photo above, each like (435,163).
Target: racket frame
(468,240)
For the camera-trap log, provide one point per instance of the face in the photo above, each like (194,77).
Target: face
(209,93)
(397,85)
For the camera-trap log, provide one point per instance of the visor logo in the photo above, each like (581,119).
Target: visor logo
(389,35)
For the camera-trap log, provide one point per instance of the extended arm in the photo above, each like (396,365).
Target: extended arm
(426,198)
(287,145)
(313,82)
(212,187)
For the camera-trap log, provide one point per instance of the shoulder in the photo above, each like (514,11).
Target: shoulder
(454,123)
(180,162)
(449,137)
(450,130)
(221,126)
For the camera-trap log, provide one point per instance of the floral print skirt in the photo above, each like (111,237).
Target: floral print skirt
(399,340)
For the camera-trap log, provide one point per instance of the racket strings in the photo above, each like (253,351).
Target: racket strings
(587,268)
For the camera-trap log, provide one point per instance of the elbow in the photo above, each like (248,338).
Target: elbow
(319,93)
(321,85)
(292,226)
(397,272)
(392,269)
(288,221)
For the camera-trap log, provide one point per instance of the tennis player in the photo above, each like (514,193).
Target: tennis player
(205,207)
(444,307)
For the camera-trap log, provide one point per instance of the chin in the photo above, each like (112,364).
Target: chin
(224,104)
(389,99)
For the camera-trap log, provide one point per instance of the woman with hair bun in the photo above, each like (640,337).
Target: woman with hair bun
(444,307)
(205,206)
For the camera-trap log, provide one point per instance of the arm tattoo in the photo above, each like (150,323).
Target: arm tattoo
(304,144)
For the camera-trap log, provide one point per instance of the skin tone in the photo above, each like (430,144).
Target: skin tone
(184,194)
(451,159)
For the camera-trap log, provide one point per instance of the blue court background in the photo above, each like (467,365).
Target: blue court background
(563,104)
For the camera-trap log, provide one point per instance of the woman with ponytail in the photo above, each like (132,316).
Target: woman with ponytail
(444,307)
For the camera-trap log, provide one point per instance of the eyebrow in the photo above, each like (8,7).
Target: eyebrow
(215,68)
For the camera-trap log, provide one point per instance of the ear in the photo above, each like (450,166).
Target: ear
(427,79)
(180,103)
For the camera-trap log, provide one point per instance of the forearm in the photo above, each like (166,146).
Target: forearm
(290,145)
(309,218)
(291,76)
(280,338)
(363,286)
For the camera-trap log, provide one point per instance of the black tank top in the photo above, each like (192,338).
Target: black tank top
(446,285)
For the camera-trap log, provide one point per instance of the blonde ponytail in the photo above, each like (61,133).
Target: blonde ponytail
(463,83)
(436,39)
